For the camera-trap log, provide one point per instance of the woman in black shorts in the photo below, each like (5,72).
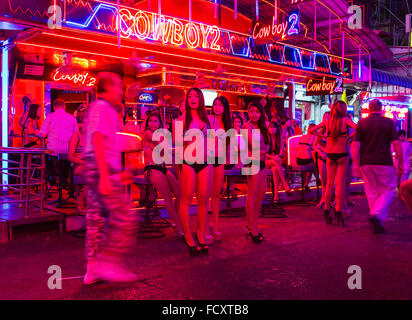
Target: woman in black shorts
(256,182)
(337,156)
(195,176)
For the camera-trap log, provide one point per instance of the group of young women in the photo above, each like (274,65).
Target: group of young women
(205,179)
(329,140)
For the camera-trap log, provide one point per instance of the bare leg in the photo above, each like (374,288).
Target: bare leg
(203,192)
(252,190)
(331,172)
(323,180)
(340,182)
(218,179)
(278,165)
(260,194)
(271,165)
(188,175)
(175,188)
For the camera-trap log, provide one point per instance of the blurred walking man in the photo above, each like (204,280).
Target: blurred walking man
(372,158)
(111,225)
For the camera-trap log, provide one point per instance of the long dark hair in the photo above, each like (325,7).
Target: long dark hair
(275,147)
(337,113)
(33,111)
(226,112)
(201,110)
(261,122)
(153,114)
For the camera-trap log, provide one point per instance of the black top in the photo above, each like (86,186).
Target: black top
(375,135)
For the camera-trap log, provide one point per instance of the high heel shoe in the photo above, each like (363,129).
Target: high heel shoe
(328,219)
(193,250)
(255,239)
(204,248)
(320,204)
(339,218)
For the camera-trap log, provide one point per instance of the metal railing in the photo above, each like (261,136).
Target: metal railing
(29,173)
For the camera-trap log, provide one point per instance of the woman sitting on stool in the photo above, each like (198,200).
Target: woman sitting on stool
(274,159)
(157,174)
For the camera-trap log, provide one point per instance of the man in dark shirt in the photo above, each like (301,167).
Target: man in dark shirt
(372,158)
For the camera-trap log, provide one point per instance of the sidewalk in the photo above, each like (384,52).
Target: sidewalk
(301,258)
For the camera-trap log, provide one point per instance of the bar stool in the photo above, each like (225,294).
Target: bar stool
(272,209)
(228,211)
(152,221)
(293,144)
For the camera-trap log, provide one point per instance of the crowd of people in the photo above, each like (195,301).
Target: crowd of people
(337,148)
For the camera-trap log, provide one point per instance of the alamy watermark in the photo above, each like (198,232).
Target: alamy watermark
(355,20)
(55,280)
(355,280)
(194,147)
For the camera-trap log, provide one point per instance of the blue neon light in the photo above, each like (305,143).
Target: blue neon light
(244,51)
(145,97)
(294,20)
(307,63)
(5,109)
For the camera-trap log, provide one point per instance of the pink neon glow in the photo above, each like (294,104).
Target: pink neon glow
(173,30)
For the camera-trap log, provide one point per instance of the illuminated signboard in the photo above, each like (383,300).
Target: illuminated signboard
(140,25)
(277,30)
(145,97)
(323,86)
(76,78)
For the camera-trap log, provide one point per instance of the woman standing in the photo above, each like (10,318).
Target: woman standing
(162,179)
(256,183)
(273,159)
(219,120)
(337,156)
(195,176)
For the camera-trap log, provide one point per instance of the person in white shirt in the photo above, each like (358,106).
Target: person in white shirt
(58,127)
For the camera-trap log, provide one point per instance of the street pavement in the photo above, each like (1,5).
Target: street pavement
(301,258)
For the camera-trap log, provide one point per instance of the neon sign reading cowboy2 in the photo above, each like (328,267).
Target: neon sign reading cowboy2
(143,25)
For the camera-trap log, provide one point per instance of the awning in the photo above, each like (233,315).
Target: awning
(391,78)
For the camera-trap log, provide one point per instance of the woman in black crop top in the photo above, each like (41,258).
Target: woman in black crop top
(256,181)
(195,176)
(219,120)
(337,154)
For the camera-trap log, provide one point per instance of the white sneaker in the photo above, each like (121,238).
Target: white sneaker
(92,275)
(115,273)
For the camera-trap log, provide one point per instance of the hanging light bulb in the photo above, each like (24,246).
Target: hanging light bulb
(235,9)
(215,9)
